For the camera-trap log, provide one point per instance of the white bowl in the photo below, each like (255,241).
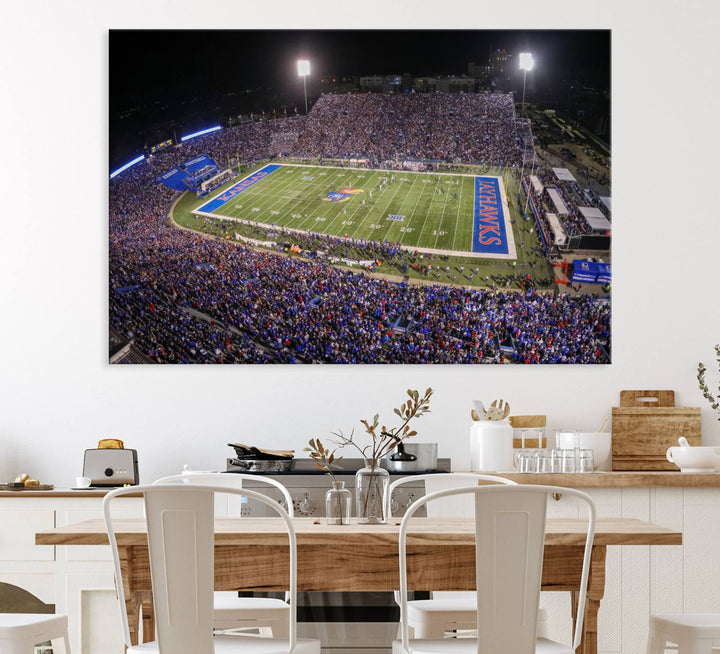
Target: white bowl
(599,442)
(695,459)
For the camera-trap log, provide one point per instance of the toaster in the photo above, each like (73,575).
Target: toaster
(110,467)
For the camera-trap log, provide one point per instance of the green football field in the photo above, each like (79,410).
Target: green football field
(432,211)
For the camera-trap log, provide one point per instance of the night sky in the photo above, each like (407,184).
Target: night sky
(159,78)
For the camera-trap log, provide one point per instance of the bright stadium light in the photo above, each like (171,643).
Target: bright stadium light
(115,173)
(526,64)
(526,61)
(303,71)
(187,137)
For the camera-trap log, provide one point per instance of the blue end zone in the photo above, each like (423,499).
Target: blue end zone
(489,234)
(228,195)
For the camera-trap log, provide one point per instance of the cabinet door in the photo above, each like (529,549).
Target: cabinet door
(17,537)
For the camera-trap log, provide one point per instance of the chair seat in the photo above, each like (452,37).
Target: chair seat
(469,646)
(701,625)
(25,626)
(431,618)
(459,606)
(245,645)
(252,606)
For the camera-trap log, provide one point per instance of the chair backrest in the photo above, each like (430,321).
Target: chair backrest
(442,481)
(509,545)
(229,479)
(180,530)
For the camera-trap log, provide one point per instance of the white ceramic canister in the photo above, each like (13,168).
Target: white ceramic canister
(491,446)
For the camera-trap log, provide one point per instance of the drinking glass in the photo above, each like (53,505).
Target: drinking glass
(517,454)
(568,460)
(585,461)
(526,461)
(543,461)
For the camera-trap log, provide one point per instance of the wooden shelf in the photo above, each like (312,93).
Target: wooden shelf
(642,479)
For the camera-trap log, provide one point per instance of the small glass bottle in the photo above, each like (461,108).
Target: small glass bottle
(371,487)
(338,502)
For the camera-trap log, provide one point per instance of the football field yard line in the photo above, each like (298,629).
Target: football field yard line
(398,226)
(409,196)
(407,225)
(419,197)
(383,214)
(457,221)
(442,219)
(430,204)
(365,222)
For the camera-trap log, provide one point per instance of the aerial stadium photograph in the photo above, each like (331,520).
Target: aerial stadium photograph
(307,197)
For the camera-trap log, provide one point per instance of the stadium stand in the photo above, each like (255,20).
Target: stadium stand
(450,127)
(183,297)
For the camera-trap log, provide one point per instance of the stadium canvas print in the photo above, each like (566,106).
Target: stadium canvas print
(315,201)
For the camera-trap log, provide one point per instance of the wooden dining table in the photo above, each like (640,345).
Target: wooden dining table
(251,554)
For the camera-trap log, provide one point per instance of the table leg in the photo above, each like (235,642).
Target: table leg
(133,606)
(148,617)
(134,567)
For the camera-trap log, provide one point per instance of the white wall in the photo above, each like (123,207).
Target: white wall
(58,395)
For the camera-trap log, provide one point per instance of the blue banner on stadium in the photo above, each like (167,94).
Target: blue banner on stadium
(604,273)
(585,271)
(228,195)
(174,178)
(198,163)
(489,233)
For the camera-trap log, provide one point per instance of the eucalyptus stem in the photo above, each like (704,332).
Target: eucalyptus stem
(384,439)
(702,383)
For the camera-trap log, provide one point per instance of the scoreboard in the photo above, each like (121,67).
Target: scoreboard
(161,146)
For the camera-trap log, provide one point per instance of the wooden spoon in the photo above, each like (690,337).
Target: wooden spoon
(498,410)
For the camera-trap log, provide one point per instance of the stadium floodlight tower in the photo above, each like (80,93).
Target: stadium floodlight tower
(303,71)
(526,64)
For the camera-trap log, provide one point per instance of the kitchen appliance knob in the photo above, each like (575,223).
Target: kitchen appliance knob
(108,472)
(305,506)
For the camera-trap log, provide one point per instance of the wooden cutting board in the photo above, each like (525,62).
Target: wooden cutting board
(645,425)
(528,422)
(45,487)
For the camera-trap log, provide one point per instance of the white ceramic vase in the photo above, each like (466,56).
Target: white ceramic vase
(491,446)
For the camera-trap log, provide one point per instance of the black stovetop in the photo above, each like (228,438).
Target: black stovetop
(345,467)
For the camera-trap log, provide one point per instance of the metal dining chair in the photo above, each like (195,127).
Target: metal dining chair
(21,632)
(181,545)
(693,633)
(233,612)
(509,545)
(449,611)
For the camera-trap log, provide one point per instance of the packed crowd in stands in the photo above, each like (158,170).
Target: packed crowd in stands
(453,127)
(183,297)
